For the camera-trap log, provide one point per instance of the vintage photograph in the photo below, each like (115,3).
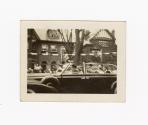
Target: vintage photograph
(62,58)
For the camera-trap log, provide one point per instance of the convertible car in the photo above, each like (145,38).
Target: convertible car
(87,78)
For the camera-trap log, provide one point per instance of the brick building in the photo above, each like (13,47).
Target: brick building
(45,50)
(101,48)
(46,47)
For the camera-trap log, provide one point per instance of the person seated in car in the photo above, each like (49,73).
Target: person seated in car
(90,69)
(53,67)
(76,70)
(47,70)
(30,70)
(107,70)
(64,64)
(37,68)
(94,69)
(101,69)
(60,68)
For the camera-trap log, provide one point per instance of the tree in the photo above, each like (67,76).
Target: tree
(81,35)
(67,41)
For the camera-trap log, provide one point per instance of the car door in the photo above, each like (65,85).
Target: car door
(98,81)
(72,82)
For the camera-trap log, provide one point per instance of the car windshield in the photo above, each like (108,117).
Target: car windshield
(95,68)
(73,69)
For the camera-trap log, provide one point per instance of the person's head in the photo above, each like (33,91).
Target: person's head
(90,65)
(103,68)
(63,62)
(53,62)
(74,66)
(100,66)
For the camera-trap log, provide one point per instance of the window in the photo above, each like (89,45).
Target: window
(52,35)
(44,49)
(63,50)
(53,48)
(96,52)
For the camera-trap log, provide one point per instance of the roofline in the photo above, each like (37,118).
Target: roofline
(50,41)
(36,34)
(102,39)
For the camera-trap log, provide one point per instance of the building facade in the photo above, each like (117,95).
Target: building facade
(102,48)
(50,49)
(47,51)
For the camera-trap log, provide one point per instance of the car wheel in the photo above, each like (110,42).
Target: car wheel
(40,88)
(53,89)
(52,85)
(114,87)
(30,91)
(51,82)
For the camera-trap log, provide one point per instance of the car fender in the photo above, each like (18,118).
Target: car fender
(40,88)
(51,79)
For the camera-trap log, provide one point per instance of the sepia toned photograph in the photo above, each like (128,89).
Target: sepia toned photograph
(73,61)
